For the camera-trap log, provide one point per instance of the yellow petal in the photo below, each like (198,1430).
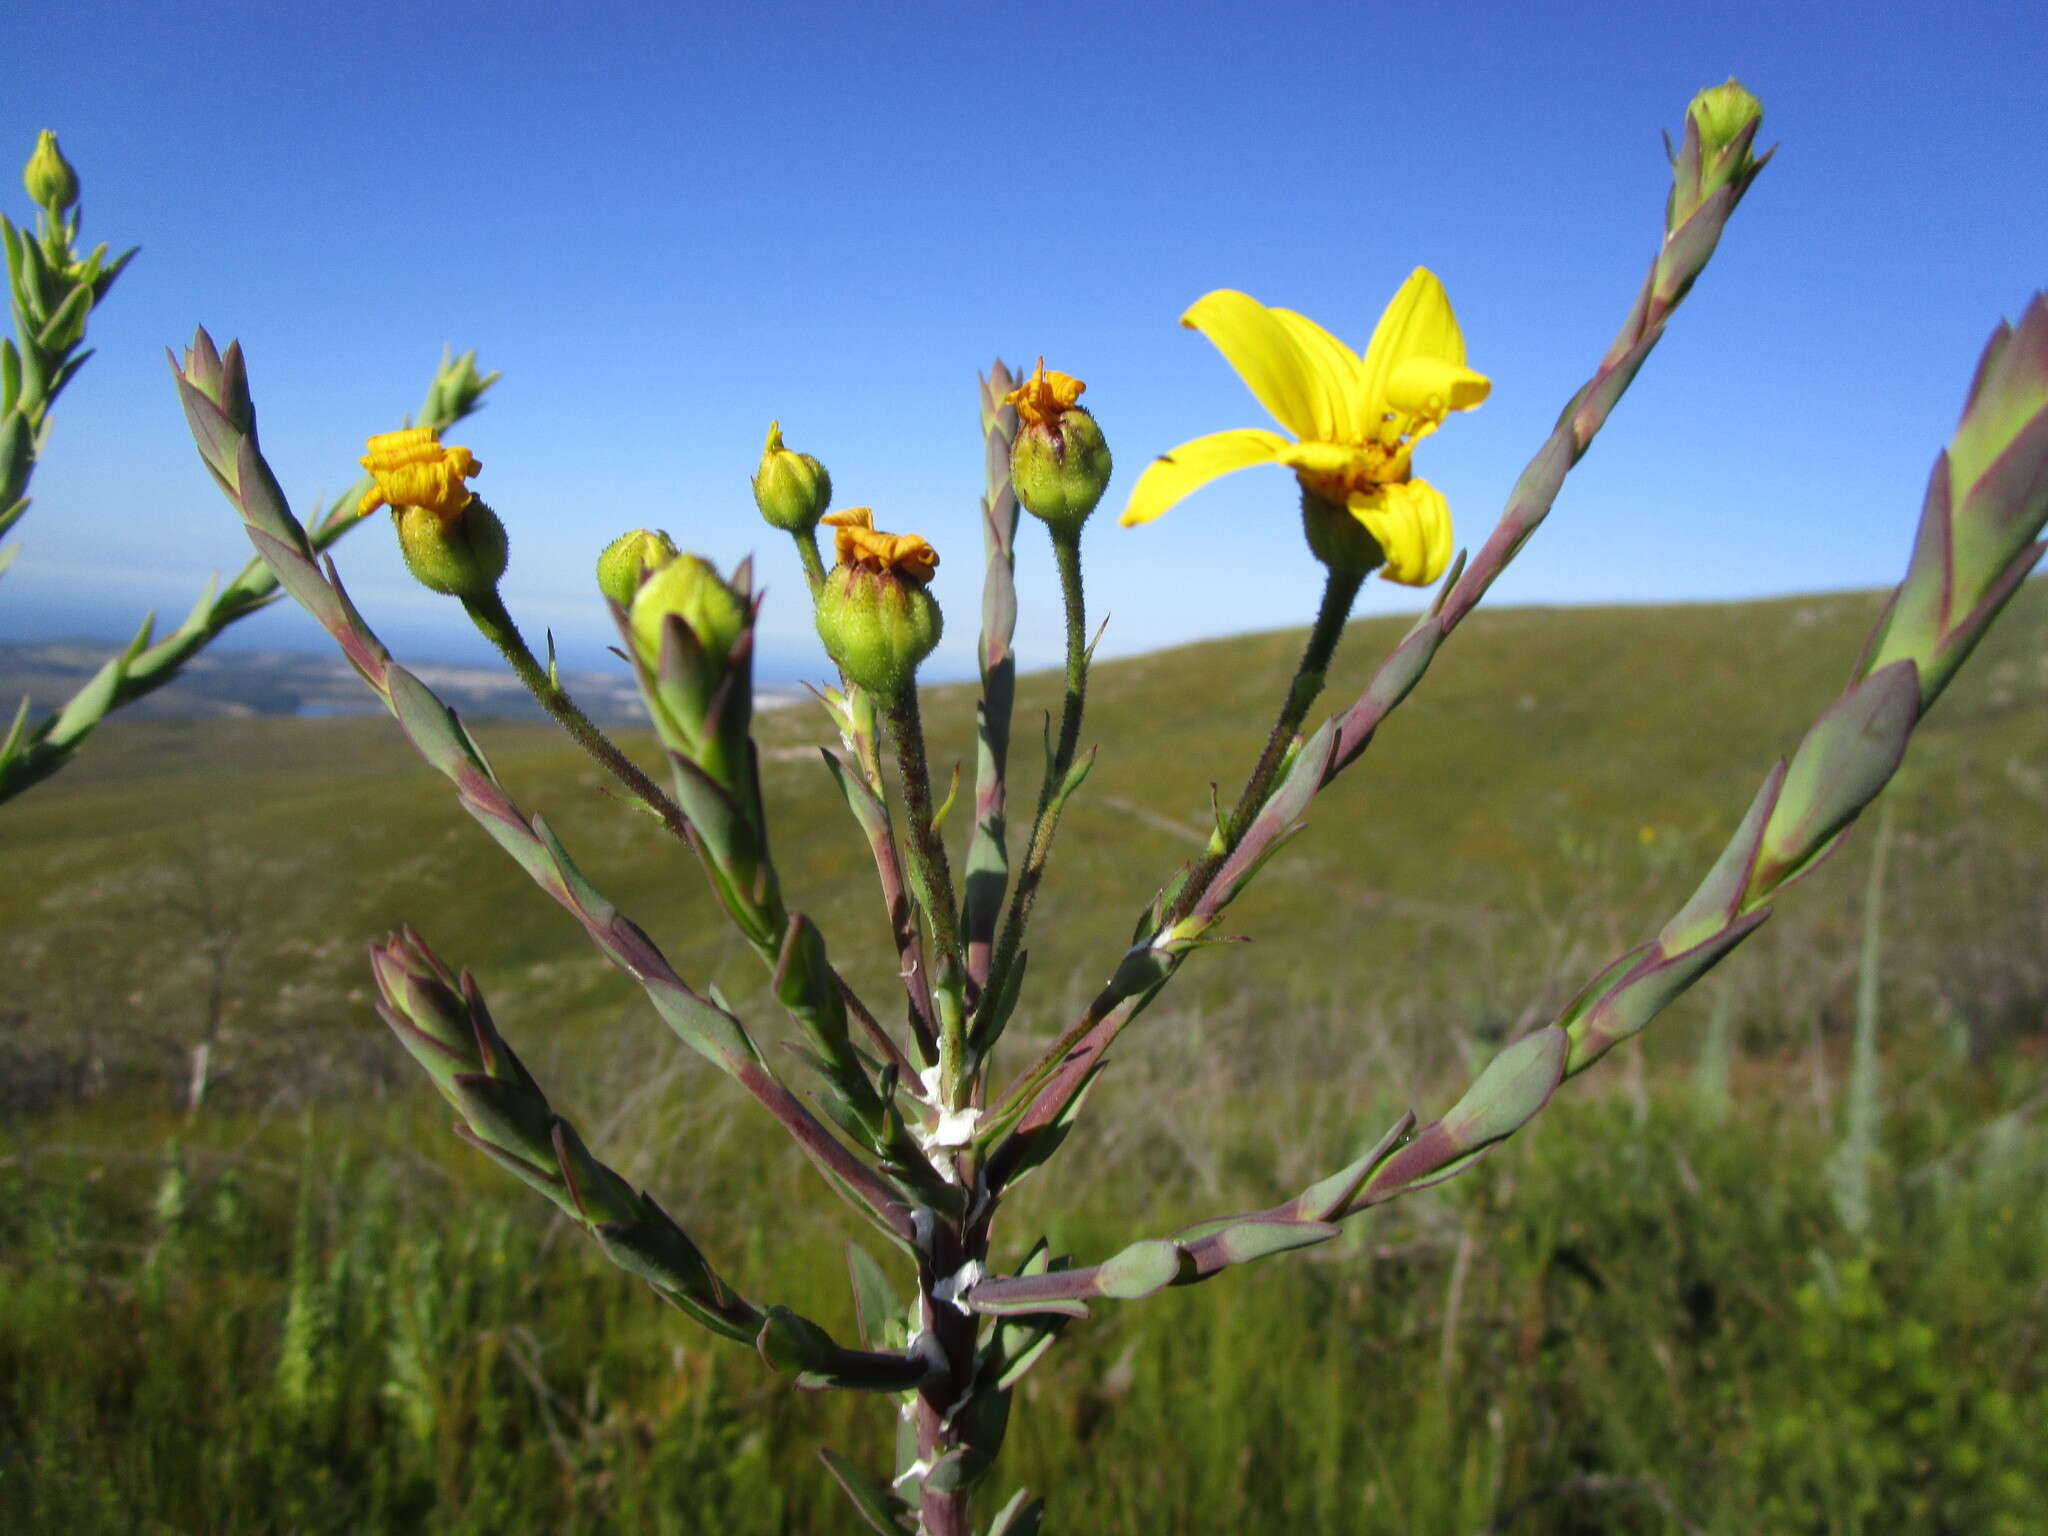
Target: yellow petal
(1337,370)
(1418,322)
(1331,461)
(1431,388)
(1262,348)
(1412,522)
(1172,477)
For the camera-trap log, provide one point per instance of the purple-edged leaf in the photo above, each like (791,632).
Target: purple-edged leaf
(429,723)
(600,1194)
(1514,1087)
(1846,758)
(653,1248)
(301,578)
(711,1032)
(442,1062)
(1999,458)
(507,1115)
(876,1307)
(880,1507)
(1603,983)
(1923,605)
(546,1180)
(1022,1516)
(1277,818)
(1648,989)
(217,438)
(789,1341)
(1140,1270)
(1327,1200)
(860,800)
(1719,897)
(1956,646)
(262,501)
(1242,1241)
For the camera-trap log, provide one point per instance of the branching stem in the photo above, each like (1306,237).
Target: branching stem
(1339,593)
(495,622)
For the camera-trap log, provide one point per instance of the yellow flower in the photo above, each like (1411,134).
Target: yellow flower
(412,469)
(1042,398)
(857,545)
(1358,419)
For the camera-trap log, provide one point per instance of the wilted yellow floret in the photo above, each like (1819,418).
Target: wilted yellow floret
(412,469)
(1042,398)
(1358,419)
(857,544)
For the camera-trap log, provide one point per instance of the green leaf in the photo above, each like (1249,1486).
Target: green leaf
(1845,759)
(879,1506)
(1141,1270)
(1019,1517)
(1513,1088)
(876,1305)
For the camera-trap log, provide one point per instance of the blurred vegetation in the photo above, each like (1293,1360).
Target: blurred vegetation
(304,1307)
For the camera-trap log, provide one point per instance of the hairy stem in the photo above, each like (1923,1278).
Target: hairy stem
(806,541)
(495,622)
(931,879)
(1339,593)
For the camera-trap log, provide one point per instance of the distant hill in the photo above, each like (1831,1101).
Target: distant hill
(239,684)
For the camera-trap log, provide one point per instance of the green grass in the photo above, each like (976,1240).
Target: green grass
(313,1310)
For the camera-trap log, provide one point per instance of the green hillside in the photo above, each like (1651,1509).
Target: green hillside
(1635,1290)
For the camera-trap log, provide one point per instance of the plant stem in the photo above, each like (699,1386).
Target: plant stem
(491,618)
(1066,548)
(931,879)
(806,541)
(1339,593)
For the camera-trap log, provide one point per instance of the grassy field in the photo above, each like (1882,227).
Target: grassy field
(307,1308)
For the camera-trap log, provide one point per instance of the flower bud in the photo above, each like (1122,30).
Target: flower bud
(463,555)
(791,489)
(629,558)
(1059,463)
(693,590)
(875,617)
(451,541)
(49,177)
(1718,150)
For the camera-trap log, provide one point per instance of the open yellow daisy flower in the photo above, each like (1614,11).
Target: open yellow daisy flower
(1357,419)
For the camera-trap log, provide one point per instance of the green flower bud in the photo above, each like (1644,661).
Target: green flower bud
(1723,112)
(1059,464)
(877,626)
(1718,150)
(50,180)
(791,489)
(630,557)
(691,588)
(462,554)
(874,615)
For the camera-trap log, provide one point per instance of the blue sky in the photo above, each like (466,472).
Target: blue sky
(668,224)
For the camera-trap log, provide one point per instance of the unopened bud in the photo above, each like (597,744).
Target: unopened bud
(1059,463)
(463,555)
(1718,151)
(791,489)
(629,558)
(692,589)
(49,177)
(875,617)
